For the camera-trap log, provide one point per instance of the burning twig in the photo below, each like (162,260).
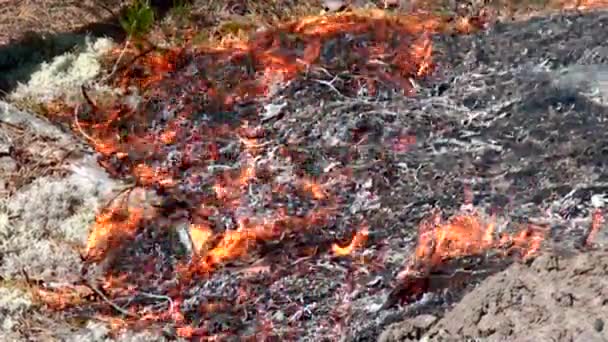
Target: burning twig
(597,219)
(101,295)
(79,127)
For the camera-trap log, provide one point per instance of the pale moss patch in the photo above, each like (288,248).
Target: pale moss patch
(72,229)
(14,300)
(14,304)
(62,77)
(42,226)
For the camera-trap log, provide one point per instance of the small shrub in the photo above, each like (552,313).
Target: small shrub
(137,19)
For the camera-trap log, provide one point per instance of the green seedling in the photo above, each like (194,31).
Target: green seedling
(137,19)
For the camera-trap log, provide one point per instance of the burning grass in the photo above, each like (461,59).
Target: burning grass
(233,191)
(218,169)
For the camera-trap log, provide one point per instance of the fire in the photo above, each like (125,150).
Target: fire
(133,144)
(468,235)
(422,51)
(201,235)
(358,241)
(236,243)
(597,219)
(110,230)
(274,56)
(461,235)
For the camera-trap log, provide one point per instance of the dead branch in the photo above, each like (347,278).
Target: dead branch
(100,293)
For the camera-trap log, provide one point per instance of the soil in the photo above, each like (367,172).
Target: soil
(554,298)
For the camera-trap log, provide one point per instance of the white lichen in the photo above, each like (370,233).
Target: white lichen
(65,74)
(14,301)
(14,304)
(42,226)
(99,332)
(92,332)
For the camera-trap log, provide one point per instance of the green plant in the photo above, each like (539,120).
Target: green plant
(181,10)
(137,19)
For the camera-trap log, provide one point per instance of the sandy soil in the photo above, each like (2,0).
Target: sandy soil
(555,298)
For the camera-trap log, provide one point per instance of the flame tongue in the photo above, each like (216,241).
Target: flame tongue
(466,235)
(452,254)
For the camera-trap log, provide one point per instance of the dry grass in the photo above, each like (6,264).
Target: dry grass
(210,18)
(23,18)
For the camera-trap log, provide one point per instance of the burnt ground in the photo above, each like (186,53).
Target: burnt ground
(529,141)
(516,114)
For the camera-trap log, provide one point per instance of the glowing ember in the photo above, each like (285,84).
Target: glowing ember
(110,230)
(358,241)
(201,236)
(597,219)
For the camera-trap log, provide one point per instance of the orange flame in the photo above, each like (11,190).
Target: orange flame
(358,241)
(597,219)
(464,235)
(236,243)
(422,52)
(201,235)
(110,230)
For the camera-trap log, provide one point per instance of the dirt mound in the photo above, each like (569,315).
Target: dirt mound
(554,298)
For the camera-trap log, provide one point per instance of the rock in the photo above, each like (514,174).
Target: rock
(592,79)
(598,325)
(424,321)
(5,148)
(334,5)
